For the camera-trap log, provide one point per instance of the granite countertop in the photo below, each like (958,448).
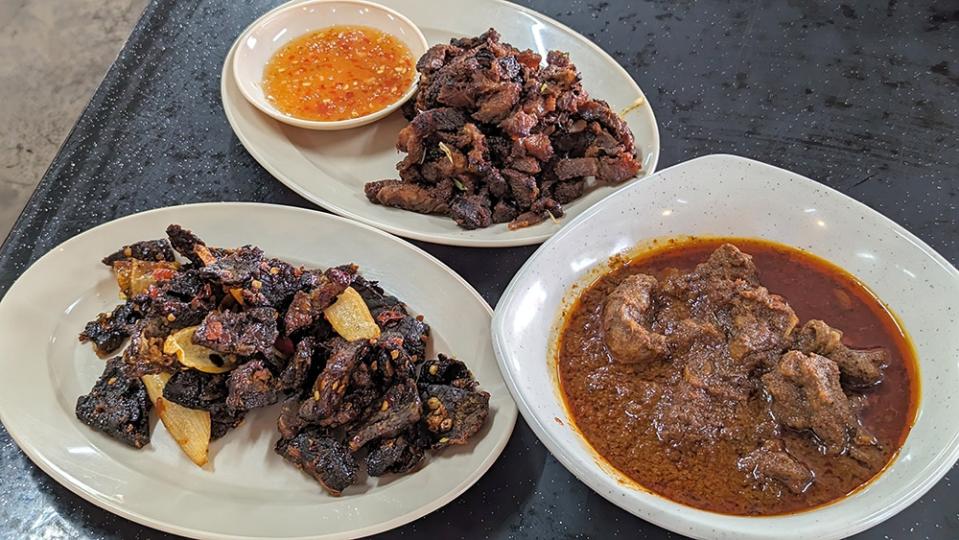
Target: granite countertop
(861,96)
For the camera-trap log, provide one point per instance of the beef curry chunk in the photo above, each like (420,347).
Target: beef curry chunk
(197,390)
(243,333)
(626,320)
(147,250)
(109,331)
(322,457)
(453,415)
(771,462)
(118,406)
(307,307)
(492,132)
(806,394)
(251,386)
(399,409)
(859,367)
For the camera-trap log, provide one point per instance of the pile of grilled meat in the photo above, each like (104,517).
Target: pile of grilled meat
(496,137)
(341,399)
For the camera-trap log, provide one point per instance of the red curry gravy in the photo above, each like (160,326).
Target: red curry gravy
(606,398)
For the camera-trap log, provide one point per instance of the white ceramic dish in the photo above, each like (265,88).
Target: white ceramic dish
(330,169)
(269,33)
(250,491)
(733,196)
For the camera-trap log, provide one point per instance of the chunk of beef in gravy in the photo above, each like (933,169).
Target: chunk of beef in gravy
(806,394)
(859,367)
(759,322)
(770,462)
(626,319)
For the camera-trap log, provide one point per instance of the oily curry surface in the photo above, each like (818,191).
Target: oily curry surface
(720,446)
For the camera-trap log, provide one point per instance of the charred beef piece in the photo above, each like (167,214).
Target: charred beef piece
(197,390)
(307,306)
(453,415)
(243,333)
(806,394)
(399,409)
(321,456)
(109,331)
(118,406)
(332,383)
(446,371)
(471,212)
(147,250)
(412,197)
(251,386)
(626,319)
(772,462)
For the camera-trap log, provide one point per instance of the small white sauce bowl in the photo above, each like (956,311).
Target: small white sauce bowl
(272,31)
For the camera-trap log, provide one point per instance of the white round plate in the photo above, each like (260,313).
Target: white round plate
(249,492)
(331,168)
(733,196)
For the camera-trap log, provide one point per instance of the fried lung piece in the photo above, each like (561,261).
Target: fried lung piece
(398,454)
(243,333)
(190,246)
(453,414)
(145,353)
(117,405)
(399,409)
(448,371)
(223,419)
(307,306)
(251,386)
(234,268)
(331,385)
(197,390)
(147,250)
(295,373)
(110,329)
(322,457)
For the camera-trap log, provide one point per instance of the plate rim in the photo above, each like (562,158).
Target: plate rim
(74,485)
(436,238)
(695,528)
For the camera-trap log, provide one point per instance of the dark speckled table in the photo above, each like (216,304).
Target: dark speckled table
(861,96)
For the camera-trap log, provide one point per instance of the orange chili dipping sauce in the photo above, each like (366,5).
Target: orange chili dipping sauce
(338,73)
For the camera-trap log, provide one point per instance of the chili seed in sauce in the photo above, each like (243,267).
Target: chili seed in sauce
(338,73)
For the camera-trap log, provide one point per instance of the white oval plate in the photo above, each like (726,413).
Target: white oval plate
(733,196)
(331,168)
(251,492)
